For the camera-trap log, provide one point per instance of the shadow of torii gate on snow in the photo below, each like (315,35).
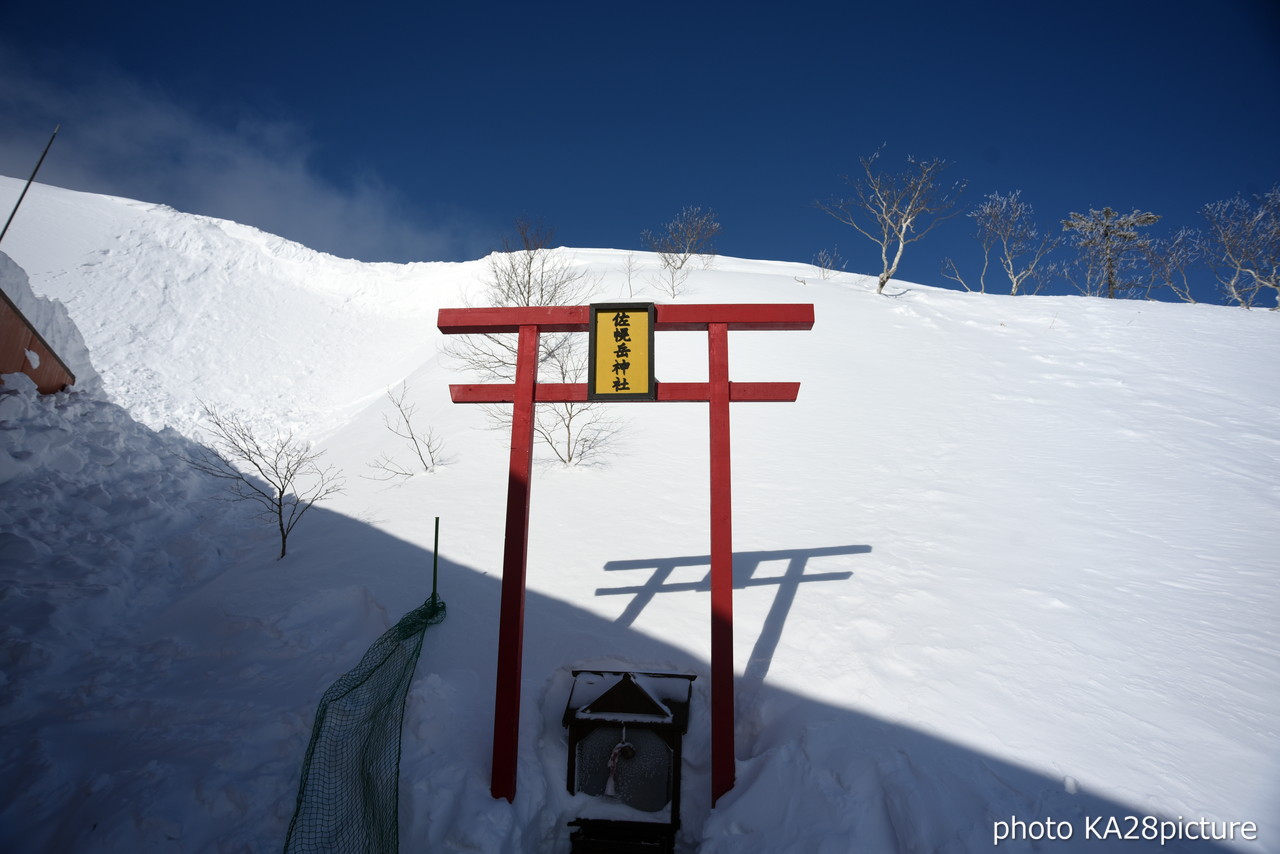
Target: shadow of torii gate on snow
(745,565)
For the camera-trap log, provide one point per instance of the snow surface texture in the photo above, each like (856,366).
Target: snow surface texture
(1004,559)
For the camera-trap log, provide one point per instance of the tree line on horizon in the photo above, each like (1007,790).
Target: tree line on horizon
(1101,253)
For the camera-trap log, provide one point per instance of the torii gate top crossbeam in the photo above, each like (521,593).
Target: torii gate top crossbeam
(670,317)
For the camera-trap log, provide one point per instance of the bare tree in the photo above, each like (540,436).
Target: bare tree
(629,268)
(577,433)
(1005,224)
(986,234)
(893,210)
(1107,244)
(427,447)
(670,280)
(689,234)
(281,475)
(952,272)
(1243,245)
(1170,261)
(574,432)
(529,273)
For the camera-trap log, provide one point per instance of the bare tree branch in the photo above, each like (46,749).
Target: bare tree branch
(576,433)
(670,279)
(691,233)
(893,210)
(1169,262)
(427,447)
(629,270)
(1005,224)
(1243,245)
(1107,244)
(952,272)
(282,476)
(528,273)
(829,262)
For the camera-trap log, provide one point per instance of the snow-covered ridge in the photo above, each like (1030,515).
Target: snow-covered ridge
(179,308)
(1005,558)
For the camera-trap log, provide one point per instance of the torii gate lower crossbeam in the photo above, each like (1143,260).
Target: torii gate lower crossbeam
(524,393)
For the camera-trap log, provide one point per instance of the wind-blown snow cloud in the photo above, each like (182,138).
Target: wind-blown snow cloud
(123,137)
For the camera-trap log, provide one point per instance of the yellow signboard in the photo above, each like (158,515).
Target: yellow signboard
(621,360)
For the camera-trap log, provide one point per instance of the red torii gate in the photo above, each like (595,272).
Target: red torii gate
(528,323)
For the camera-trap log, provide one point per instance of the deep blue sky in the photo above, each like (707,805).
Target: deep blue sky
(422,132)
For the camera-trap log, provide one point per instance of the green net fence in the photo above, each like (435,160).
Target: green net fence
(348,797)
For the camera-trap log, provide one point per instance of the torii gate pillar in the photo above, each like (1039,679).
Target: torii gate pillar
(722,743)
(524,394)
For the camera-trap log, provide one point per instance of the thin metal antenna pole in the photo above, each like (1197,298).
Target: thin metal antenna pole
(30,180)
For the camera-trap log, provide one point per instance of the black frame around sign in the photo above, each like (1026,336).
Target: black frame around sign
(592,394)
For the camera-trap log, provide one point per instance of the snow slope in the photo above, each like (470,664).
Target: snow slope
(1005,558)
(229,314)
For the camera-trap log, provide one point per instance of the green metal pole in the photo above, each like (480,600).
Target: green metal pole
(435,560)
(437,609)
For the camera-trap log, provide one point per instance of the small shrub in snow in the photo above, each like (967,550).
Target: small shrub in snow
(427,447)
